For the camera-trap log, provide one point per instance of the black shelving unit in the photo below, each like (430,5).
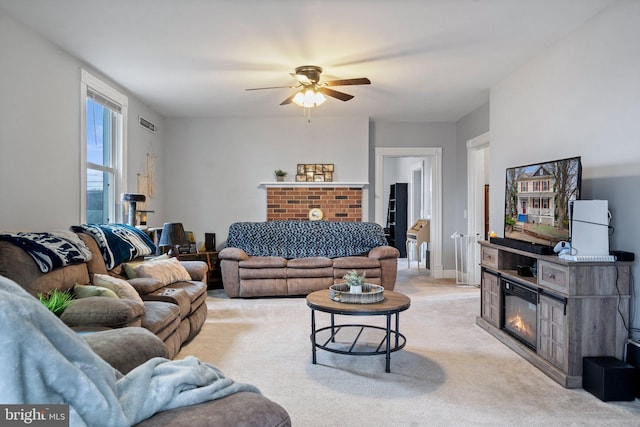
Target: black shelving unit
(397,217)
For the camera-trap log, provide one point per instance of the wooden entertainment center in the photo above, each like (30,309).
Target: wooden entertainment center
(582,309)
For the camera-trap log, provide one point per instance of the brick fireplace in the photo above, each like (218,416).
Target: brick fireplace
(338,203)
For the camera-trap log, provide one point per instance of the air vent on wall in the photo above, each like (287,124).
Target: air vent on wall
(151,127)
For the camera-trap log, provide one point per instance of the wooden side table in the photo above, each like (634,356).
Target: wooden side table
(214,276)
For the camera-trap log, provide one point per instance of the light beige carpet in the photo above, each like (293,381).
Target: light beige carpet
(451,372)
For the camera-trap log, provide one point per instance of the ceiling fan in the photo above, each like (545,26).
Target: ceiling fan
(312,91)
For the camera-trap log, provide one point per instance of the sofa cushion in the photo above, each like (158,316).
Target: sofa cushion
(301,239)
(125,348)
(196,269)
(264,262)
(161,318)
(239,409)
(306,285)
(310,272)
(96,263)
(174,296)
(100,311)
(146,285)
(127,267)
(260,287)
(167,271)
(263,273)
(86,291)
(310,262)
(18,266)
(121,287)
(195,290)
(355,262)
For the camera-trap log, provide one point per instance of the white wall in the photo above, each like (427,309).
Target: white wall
(40,132)
(580,97)
(214,165)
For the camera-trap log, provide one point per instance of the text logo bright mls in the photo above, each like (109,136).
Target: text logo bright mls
(34,415)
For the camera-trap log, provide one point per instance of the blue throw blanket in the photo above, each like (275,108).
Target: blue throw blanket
(45,362)
(118,243)
(51,250)
(302,239)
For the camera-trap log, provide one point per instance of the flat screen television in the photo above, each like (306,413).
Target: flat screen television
(537,200)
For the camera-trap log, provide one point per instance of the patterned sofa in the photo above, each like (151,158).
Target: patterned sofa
(278,258)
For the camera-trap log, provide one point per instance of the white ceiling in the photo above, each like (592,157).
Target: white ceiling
(428,60)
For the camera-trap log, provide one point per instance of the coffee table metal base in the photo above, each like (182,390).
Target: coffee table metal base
(392,340)
(384,347)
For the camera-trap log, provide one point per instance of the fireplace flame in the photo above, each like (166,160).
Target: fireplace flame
(519,325)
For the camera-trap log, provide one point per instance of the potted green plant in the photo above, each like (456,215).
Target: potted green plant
(56,301)
(355,281)
(280,174)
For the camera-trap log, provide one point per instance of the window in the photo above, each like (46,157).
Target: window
(536,186)
(545,203)
(524,187)
(104,120)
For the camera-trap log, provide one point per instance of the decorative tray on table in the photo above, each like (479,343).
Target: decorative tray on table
(370,293)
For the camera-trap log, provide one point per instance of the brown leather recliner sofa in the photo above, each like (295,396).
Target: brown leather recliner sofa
(126,335)
(278,258)
(173,312)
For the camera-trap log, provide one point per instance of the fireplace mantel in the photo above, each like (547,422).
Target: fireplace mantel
(291,184)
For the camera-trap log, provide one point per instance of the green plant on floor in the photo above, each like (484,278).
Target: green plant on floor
(352,278)
(56,301)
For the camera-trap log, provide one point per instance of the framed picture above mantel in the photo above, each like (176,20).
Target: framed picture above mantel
(314,172)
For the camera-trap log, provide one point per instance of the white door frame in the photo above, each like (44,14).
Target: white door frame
(475,201)
(417,167)
(436,195)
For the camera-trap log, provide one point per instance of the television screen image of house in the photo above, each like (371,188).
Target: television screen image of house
(537,200)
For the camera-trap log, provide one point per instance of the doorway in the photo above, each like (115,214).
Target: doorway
(434,196)
(477,199)
(416,201)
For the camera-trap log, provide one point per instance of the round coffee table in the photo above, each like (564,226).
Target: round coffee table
(392,304)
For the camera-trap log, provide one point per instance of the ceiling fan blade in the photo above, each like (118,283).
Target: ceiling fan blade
(271,87)
(305,80)
(346,82)
(289,100)
(335,94)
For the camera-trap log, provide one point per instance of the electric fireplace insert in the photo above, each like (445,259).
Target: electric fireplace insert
(520,312)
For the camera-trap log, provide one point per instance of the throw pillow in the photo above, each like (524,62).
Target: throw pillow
(120,287)
(128,266)
(167,271)
(85,291)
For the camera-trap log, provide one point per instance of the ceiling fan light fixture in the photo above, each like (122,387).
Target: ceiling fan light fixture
(309,98)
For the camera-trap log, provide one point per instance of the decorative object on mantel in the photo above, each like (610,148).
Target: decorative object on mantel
(316,214)
(370,294)
(355,281)
(314,172)
(280,174)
